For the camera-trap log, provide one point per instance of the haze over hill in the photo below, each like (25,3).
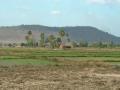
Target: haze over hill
(77,33)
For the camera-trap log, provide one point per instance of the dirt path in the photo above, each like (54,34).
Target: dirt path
(107,75)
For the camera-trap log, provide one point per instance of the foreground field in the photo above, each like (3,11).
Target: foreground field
(61,77)
(39,69)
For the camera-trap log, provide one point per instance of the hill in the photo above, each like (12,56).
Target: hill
(78,33)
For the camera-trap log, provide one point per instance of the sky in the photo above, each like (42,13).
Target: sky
(103,14)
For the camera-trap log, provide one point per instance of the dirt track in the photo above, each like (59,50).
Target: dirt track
(58,78)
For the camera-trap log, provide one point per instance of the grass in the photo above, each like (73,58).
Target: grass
(36,56)
(9,62)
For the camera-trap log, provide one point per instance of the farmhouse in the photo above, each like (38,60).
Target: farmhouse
(66,46)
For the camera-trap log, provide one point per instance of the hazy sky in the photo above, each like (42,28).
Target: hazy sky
(104,14)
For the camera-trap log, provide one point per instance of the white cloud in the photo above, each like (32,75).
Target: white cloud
(103,1)
(55,12)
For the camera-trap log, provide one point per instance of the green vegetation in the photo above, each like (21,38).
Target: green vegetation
(31,54)
(25,62)
(30,40)
(42,40)
(63,39)
(36,56)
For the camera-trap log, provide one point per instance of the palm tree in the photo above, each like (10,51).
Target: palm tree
(29,32)
(62,34)
(42,39)
(51,40)
(29,39)
(67,35)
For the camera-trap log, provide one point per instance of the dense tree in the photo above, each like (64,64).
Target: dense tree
(55,42)
(62,34)
(23,44)
(67,35)
(10,45)
(29,32)
(29,39)
(58,42)
(51,40)
(83,44)
(42,40)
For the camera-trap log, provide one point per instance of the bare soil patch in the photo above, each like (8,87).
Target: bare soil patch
(87,76)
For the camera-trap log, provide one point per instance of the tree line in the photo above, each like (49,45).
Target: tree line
(53,41)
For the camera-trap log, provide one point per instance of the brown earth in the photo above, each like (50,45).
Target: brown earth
(84,76)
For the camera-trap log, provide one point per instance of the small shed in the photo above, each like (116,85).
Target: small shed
(66,46)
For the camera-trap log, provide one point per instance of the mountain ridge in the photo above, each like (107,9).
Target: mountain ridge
(77,33)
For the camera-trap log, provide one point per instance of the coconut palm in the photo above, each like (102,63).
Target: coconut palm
(42,39)
(62,34)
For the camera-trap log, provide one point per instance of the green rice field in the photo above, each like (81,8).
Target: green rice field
(37,56)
